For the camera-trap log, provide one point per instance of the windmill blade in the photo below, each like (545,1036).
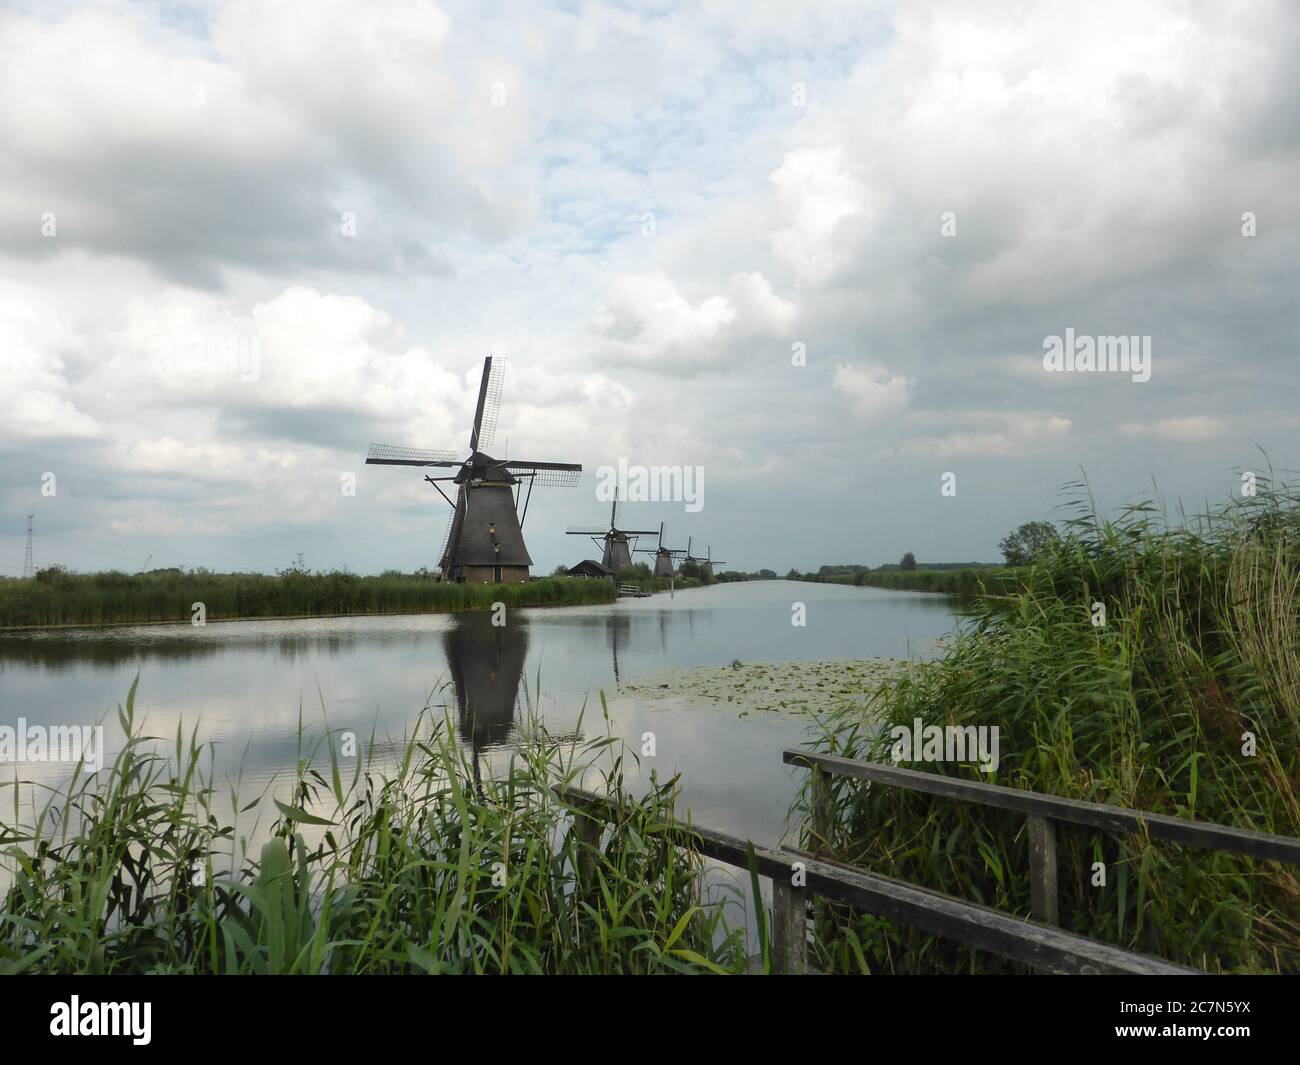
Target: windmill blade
(639,532)
(494,380)
(584,532)
(446,536)
(547,474)
(396,455)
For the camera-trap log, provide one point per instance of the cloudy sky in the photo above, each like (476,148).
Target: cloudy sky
(817,255)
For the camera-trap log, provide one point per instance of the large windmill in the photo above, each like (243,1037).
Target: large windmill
(485,540)
(665,557)
(617,554)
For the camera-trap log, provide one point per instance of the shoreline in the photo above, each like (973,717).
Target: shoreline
(16,629)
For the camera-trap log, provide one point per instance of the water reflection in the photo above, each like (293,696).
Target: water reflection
(486,662)
(250,686)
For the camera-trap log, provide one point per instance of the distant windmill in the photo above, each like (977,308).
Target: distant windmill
(485,540)
(617,554)
(665,557)
(706,563)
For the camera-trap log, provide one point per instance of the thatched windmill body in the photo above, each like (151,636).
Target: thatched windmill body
(484,541)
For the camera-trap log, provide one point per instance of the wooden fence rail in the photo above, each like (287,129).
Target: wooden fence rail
(1043,812)
(1046,948)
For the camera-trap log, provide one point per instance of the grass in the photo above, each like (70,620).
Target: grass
(962,582)
(417,869)
(1153,710)
(61,598)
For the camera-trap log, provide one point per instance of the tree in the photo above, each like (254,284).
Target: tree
(909,561)
(698,572)
(1028,542)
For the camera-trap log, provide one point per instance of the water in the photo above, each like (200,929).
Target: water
(246,684)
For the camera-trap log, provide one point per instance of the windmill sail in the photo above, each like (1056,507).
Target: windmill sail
(396,455)
(546,474)
(489,403)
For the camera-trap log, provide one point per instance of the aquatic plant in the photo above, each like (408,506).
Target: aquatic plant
(1144,663)
(170,595)
(426,866)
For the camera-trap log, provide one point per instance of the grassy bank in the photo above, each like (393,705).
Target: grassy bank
(60,598)
(1155,709)
(964,582)
(656,584)
(414,870)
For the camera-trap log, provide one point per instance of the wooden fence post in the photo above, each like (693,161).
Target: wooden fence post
(587,828)
(821,811)
(1044,900)
(789,928)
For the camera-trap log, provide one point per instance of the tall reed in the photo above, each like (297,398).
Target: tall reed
(1154,709)
(170,595)
(428,866)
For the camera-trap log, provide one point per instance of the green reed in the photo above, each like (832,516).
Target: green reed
(1200,646)
(426,866)
(963,582)
(61,598)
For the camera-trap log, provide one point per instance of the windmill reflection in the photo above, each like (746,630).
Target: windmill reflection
(486,663)
(617,629)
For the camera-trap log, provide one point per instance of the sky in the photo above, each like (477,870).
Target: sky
(815,252)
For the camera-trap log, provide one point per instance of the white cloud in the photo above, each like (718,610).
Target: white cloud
(646,321)
(813,191)
(1192,427)
(989,434)
(35,403)
(873,392)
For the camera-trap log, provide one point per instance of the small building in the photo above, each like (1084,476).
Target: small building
(591,568)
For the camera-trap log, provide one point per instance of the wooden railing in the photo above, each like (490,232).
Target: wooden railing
(797,875)
(1043,812)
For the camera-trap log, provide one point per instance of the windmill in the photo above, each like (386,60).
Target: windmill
(665,557)
(485,540)
(706,563)
(617,554)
